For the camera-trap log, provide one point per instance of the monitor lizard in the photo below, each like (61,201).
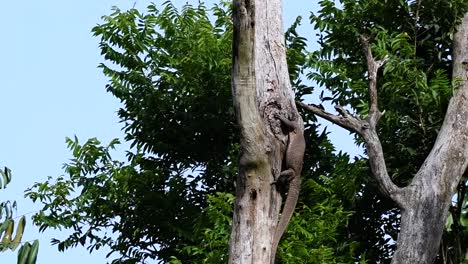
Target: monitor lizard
(294,158)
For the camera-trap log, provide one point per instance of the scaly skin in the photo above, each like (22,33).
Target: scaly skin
(294,159)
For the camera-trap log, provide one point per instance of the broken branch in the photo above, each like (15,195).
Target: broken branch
(344,119)
(373,67)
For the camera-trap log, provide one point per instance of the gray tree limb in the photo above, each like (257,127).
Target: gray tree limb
(366,128)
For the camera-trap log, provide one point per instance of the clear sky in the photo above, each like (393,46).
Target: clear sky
(51,88)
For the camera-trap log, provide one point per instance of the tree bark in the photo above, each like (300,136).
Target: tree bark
(261,88)
(425,202)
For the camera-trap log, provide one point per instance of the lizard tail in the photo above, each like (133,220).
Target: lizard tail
(286,214)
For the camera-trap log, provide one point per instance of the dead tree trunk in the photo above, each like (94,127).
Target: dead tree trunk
(424,203)
(261,90)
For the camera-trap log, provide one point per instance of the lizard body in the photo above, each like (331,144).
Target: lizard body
(294,158)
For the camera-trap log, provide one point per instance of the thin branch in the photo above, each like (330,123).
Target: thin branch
(416,20)
(373,145)
(344,119)
(373,67)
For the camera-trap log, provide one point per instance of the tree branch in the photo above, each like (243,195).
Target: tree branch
(366,128)
(373,67)
(344,119)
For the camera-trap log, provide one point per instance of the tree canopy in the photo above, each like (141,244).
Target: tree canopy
(171,70)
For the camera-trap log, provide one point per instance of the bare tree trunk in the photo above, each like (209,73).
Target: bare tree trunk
(425,202)
(261,89)
(421,229)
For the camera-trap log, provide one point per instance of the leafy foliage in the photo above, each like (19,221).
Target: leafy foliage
(27,254)
(174,90)
(114,196)
(209,243)
(171,70)
(311,237)
(187,59)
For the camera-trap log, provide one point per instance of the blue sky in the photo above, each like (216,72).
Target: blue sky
(51,88)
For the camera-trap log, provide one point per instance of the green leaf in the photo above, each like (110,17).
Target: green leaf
(8,231)
(23,253)
(19,233)
(6,176)
(32,256)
